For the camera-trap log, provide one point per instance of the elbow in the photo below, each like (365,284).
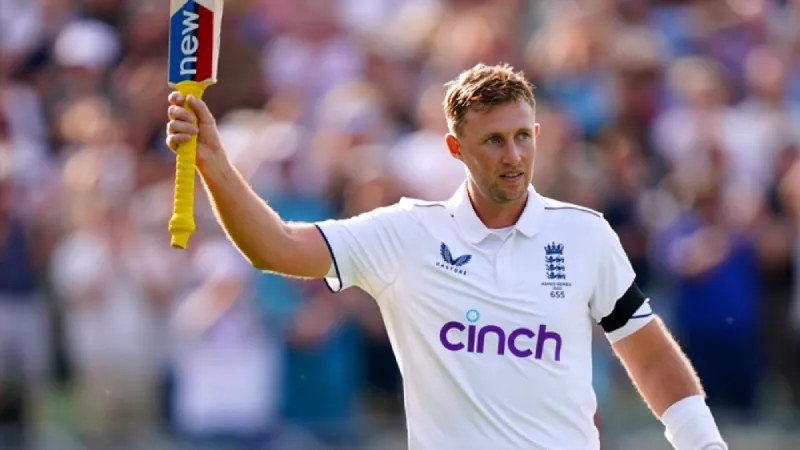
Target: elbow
(259,261)
(270,266)
(269,259)
(259,264)
(253,258)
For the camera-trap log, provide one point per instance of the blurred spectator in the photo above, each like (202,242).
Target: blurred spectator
(111,320)
(786,206)
(226,372)
(418,162)
(322,377)
(718,300)
(24,327)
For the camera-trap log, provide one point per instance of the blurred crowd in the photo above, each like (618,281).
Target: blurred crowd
(679,120)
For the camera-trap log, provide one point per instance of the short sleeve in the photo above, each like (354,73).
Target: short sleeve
(615,273)
(617,304)
(365,249)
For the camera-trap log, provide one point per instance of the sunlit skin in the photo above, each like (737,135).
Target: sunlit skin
(494,144)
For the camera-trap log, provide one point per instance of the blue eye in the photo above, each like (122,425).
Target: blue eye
(493,140)
(525,135)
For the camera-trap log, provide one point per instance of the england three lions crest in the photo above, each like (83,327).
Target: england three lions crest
(554,261)
(555,267)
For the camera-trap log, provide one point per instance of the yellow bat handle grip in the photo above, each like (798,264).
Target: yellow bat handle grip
(181,225)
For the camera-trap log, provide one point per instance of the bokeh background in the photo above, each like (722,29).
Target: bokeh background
(677,119)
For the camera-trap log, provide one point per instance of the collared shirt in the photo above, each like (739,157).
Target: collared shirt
(491,330)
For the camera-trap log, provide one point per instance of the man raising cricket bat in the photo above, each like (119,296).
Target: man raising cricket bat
(489,298)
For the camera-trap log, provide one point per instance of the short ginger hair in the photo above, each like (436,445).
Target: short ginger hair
(481,88)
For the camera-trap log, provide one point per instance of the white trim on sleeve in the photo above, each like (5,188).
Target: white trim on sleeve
(638,320)
(333,279)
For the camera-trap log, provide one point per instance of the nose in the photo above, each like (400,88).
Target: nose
(511,154)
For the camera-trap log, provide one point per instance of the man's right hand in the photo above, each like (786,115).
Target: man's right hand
(181,129)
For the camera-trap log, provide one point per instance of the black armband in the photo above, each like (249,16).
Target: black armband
(625,308)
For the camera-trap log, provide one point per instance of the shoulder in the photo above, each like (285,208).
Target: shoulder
(422,208)
(404,210)
(577,219)
(557,207)
(414,203)
(425,211)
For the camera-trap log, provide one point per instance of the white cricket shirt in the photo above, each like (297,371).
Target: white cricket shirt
(491,329)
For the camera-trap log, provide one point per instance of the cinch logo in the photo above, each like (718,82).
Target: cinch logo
(519,342)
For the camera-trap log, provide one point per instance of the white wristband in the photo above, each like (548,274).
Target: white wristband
(690,426)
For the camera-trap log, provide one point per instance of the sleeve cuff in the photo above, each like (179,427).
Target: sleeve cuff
(333,280)
(637,321)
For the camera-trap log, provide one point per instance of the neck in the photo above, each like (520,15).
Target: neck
(496,215)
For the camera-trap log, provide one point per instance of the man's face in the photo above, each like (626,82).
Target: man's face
(498,148)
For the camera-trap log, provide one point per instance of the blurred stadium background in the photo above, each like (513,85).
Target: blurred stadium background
(677,119)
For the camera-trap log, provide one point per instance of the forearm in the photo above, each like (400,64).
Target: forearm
(666,376)
(670,387)
(253,227)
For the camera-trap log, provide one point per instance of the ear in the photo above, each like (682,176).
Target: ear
(453,146)
(536,129)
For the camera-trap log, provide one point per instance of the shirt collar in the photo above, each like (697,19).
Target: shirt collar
(463,213)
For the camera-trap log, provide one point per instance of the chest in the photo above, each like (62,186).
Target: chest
(544,278)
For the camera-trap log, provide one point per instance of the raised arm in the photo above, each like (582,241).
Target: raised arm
(254,228)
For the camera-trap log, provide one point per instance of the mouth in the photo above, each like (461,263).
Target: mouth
(512,176)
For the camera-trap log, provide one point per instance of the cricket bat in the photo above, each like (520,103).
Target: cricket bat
(194,30)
